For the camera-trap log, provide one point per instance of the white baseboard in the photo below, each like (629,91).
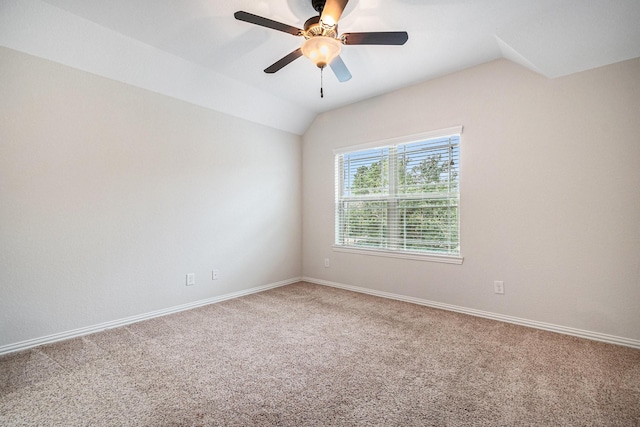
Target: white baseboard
(24,345)
(596,336)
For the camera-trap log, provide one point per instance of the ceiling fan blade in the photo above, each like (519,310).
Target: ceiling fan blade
(284,61)
(380,38)
(340,69)
(333,11)
(265,22)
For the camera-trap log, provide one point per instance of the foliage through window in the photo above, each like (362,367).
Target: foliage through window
(400,197)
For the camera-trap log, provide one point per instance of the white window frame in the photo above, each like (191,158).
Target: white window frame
(402,254)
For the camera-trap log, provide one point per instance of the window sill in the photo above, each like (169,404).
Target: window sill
(446,259)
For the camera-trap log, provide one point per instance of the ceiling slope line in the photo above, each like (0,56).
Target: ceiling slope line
(39,29)
(514,56)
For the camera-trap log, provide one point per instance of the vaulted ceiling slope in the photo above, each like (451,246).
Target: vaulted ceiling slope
(195,50)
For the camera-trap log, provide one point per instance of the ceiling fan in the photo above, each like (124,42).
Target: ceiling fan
(323,43)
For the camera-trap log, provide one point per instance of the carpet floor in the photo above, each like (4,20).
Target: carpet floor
(309,355)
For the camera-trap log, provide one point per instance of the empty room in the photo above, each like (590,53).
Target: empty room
(319,212)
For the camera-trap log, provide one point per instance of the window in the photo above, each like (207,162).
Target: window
(400,198)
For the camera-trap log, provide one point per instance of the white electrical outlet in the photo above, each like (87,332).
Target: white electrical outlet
(326,263)
(215,274)
(191,279)
(498,287)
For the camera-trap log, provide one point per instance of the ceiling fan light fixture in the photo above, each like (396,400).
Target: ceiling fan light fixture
(321,50)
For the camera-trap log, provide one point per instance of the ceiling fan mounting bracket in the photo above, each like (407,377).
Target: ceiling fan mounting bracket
(318,5)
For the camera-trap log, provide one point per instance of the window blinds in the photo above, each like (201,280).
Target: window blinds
(400,197)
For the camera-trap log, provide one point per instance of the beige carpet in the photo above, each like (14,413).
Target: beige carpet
(307,355)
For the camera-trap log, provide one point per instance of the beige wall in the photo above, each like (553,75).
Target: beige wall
(110,194)
(550,194)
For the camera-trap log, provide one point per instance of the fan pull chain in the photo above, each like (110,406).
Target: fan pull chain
(321,83)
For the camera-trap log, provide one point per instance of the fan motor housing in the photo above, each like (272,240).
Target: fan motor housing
(313,28)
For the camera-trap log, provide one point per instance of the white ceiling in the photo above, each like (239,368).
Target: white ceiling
(196,51)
